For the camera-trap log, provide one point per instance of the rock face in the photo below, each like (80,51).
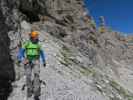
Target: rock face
(82,63)
(7,72)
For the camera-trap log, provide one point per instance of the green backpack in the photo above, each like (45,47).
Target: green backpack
(32,49)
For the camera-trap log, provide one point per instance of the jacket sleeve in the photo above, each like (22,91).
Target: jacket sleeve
(21,54)
(42,56)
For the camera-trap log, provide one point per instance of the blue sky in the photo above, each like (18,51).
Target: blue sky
(118,13)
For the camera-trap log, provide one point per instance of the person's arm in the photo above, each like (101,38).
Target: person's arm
(21,54)
(42,55)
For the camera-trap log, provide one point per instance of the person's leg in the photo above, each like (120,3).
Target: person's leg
(28,70)
(36,81)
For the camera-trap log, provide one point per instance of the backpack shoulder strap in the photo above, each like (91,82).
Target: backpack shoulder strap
(25,44)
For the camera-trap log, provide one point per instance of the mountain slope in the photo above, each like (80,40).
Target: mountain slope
(82,63)
(63,76)
(69,76)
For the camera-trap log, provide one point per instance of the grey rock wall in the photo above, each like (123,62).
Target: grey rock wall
(7,72)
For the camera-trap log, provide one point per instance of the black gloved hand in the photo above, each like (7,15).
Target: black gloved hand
(18,63)
(44,65)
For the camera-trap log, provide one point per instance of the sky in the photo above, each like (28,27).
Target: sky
(118,13)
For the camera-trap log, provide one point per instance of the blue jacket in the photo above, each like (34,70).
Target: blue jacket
(21,55)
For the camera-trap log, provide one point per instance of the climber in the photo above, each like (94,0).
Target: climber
(30,54)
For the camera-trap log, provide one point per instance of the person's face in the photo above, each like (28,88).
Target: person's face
(34,38)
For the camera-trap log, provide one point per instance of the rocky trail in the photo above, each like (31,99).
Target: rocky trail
(63,82)
(67,77)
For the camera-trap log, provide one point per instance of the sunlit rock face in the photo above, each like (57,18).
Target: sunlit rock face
(82,63)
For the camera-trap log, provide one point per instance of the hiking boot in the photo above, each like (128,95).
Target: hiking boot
(36,98)
(29,93)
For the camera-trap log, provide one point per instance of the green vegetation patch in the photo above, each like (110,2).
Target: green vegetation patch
(87,71)
(66,59)
(121,90)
